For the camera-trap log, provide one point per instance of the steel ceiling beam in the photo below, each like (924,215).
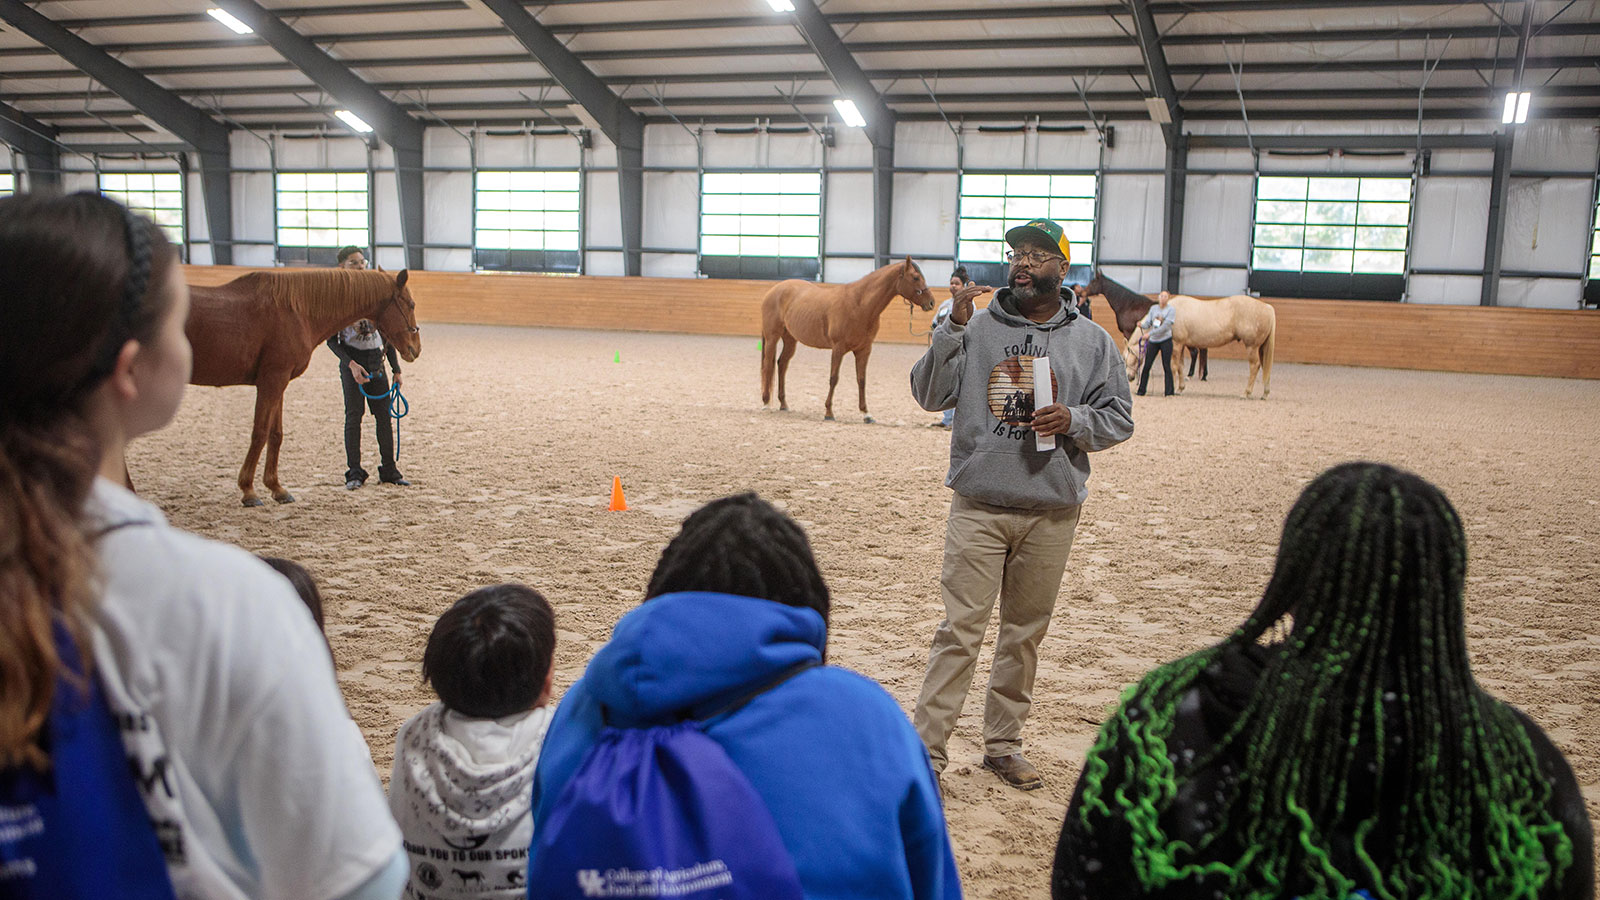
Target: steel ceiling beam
(1063,115)
(208,137)
(36,141)
(1175,172)
(1062,42)
(620,124)
(1500,177)
(1486,102)
(388,119)
(854,85)
(1048,72)
(1042,12)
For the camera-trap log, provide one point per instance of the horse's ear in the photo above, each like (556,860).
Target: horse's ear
(400,280)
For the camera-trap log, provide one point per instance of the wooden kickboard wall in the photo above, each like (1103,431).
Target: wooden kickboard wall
(1490,340)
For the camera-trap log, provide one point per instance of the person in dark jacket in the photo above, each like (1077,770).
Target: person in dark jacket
(361,351)
(1336,745)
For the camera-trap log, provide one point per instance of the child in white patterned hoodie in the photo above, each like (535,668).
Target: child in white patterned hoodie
(463,767)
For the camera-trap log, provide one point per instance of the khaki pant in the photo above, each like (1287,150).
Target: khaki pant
(1018,556)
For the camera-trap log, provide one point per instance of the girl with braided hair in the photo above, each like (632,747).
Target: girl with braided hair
(1336,744)
(189,662)
(735,607)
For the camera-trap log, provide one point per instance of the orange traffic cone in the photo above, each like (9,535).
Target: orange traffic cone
(618,502)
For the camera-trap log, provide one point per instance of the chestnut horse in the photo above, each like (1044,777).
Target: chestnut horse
(840,317)
(1213,323)
(261,328)
(1130,306)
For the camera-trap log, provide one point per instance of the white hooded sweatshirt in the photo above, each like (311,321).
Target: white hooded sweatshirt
(460,790)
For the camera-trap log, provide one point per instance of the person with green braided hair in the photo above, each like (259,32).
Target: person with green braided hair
(1336,743)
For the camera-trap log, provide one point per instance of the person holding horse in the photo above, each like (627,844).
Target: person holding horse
(1157,328)
(958,280)
(361,350)
(1336,744)
(1016,500)
(178,677)
(1080,296)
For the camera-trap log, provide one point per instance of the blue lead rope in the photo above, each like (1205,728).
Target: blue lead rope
(399,408)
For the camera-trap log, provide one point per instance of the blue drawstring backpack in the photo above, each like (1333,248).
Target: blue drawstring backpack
(663,812)
(80,829)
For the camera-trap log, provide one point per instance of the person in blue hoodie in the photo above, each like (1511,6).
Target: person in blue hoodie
(735,601)
(1017,498)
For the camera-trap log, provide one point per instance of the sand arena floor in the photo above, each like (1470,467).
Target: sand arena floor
(515,435)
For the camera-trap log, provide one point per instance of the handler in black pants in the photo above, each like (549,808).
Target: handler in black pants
(1157,326)
(361,350)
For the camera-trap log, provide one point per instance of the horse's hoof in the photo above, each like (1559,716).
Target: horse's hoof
(869,420)
(253,501)
(285,497)
(827,418)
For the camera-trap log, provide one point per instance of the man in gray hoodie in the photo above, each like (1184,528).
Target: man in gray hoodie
(1016,501)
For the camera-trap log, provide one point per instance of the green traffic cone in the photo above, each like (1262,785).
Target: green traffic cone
(617,357)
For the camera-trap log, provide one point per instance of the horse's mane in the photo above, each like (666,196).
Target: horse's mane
(319,290)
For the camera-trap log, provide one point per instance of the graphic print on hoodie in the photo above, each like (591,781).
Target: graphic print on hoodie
(461,792)
(984,369)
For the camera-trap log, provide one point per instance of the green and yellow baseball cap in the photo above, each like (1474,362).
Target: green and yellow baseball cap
(1044,231)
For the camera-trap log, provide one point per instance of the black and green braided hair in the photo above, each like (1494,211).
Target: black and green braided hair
(1371,569)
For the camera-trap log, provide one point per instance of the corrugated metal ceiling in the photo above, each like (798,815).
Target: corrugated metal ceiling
(728,59)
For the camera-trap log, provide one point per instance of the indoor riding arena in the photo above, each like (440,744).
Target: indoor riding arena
(592,198)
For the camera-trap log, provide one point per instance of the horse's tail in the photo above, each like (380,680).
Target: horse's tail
(771,333)
(1266,351)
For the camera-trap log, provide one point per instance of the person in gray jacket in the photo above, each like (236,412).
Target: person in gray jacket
(1016,504)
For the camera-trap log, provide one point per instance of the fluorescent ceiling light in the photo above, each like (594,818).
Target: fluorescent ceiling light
(1516,107)
(848,112)
(353,120)
(781,5)
(1157,108)
(227,18)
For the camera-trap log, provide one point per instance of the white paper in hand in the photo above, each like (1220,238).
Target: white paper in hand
(1043,395)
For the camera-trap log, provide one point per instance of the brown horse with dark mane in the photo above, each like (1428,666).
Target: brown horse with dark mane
(838,317)
(260,329)
(1130,306)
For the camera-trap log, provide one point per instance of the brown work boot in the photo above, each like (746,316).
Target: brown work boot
(1014,770)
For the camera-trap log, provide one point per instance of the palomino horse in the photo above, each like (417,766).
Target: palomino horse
(1213,323)
(840,317)
(260,329)
(1130,306)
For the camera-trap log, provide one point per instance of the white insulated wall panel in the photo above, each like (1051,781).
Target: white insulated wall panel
(924,221)
(1450,223)
(1548,226)
(1217,219)
(1451,290)
(847,218)
(1130,217)
(671,211)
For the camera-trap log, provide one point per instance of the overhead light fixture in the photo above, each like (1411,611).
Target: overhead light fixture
(781,5)
(228,19)
(848,112)
(1159,113)
(1516,107)
(353,120)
